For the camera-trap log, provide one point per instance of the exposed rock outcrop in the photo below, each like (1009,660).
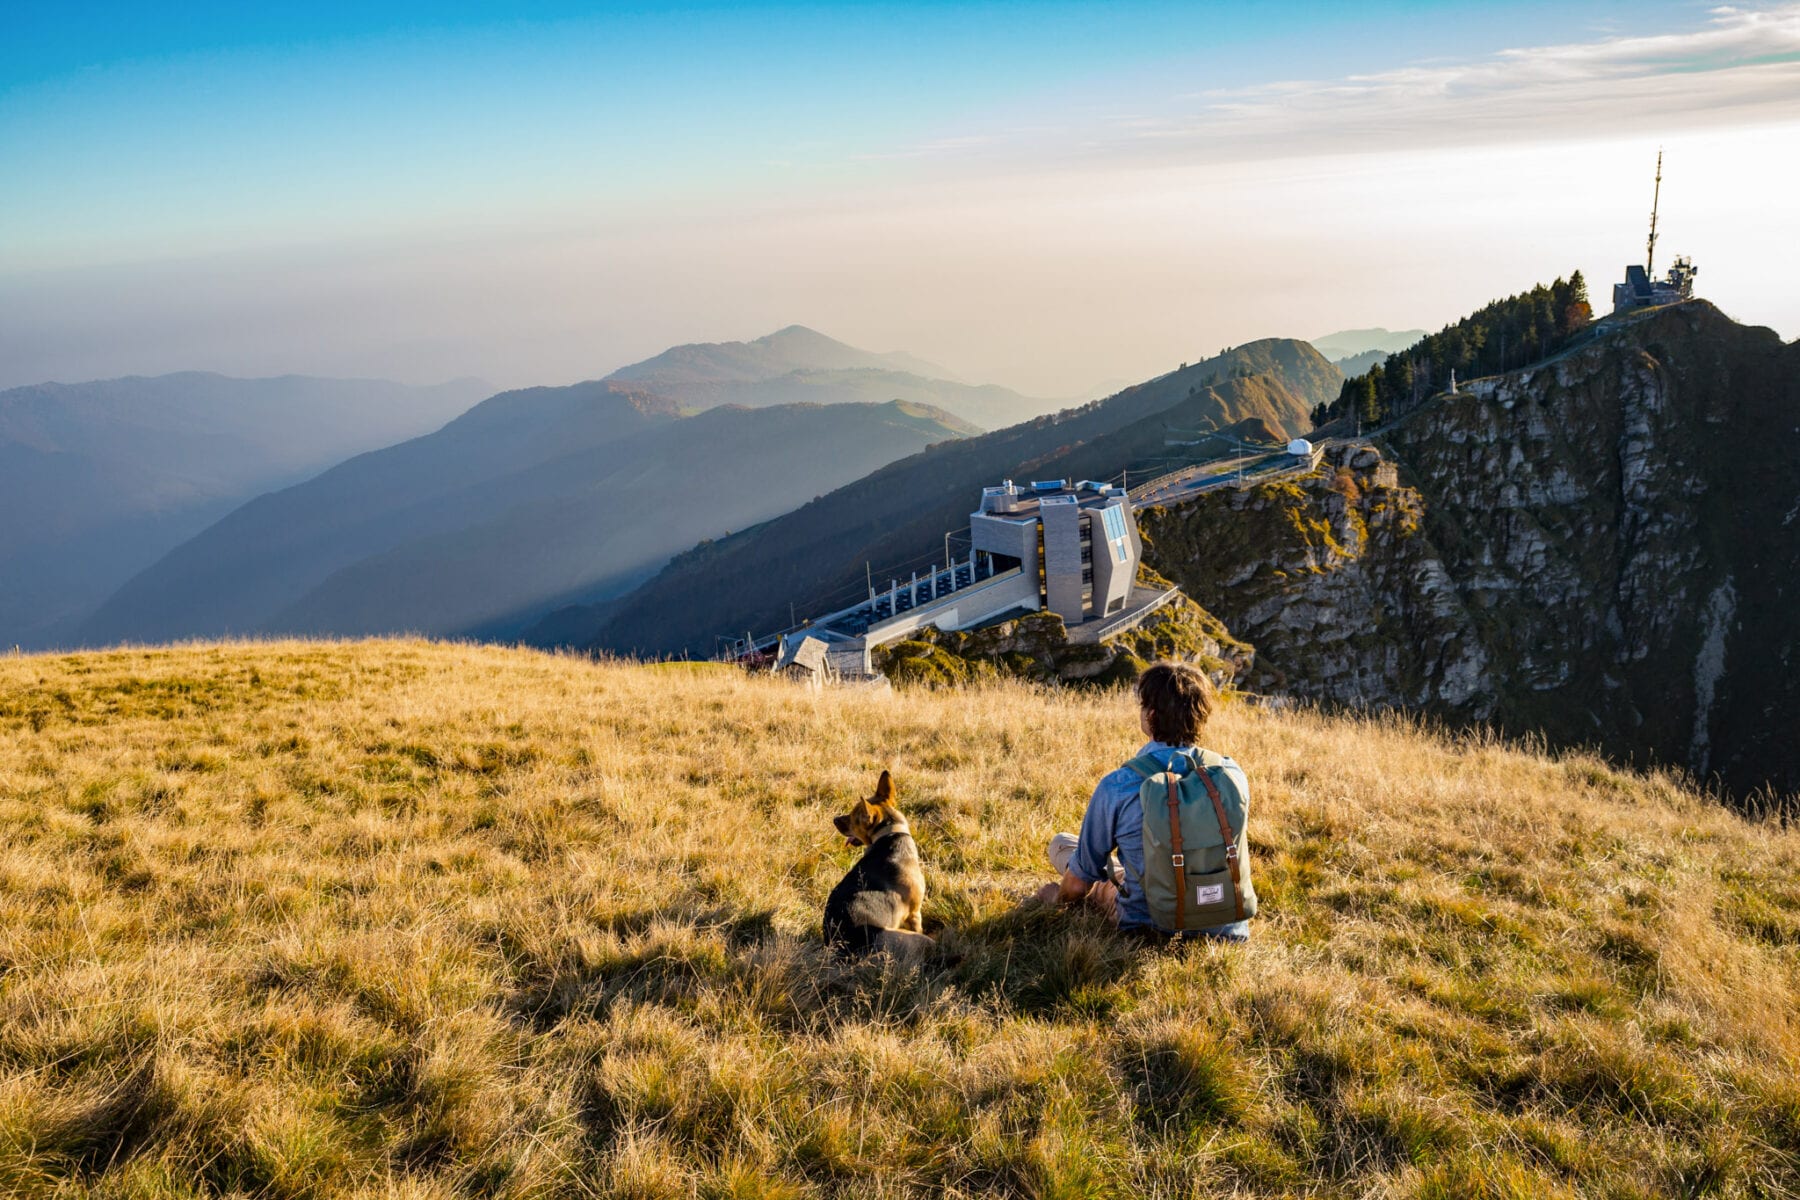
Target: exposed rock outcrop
(1604,549)
(1329,577)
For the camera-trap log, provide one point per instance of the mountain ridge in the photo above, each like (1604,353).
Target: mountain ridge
(98,479)
(1348,343)
(1599,549)
(531,497)
(793,347)
(800,365)
(898,515)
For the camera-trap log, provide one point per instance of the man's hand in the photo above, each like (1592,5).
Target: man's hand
(1072,890)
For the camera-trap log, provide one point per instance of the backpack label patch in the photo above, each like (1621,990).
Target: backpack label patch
(1215,894)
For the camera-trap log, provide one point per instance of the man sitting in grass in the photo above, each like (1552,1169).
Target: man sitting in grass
(1104,866)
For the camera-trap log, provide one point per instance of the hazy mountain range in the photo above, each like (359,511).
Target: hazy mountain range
(1354,351)
(795,348)
(533,498)
(533,501)
(98,480)
(896,518)
(798,365)
(1346,343)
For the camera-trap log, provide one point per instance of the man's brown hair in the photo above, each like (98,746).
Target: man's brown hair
(1179,699)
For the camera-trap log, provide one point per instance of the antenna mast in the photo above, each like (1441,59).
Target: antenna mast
(1655,201)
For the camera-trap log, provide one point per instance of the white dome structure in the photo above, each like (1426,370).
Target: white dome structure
(1300,448)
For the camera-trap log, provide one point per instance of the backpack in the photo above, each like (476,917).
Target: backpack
(1196,851)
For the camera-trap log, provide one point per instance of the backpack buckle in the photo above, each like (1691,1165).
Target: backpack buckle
(1231,850)
(1179,860)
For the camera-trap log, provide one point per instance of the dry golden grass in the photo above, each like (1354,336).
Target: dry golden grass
(404,919)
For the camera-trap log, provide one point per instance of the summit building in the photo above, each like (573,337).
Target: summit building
(1080,542)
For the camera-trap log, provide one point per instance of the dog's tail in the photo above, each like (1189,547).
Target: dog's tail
(860,940)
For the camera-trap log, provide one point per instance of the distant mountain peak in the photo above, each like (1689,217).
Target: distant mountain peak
(788,349)
(798,333)
(1373,333)
(1347,343)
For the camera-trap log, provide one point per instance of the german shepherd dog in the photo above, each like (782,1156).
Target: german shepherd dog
(876,905)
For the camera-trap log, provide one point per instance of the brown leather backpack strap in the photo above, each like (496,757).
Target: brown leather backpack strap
(1175,855)
(1225,830)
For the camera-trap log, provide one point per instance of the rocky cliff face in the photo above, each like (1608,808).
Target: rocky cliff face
(1332,581)
(1604,549)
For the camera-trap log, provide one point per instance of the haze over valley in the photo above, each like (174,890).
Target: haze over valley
(98,480)
(537,498)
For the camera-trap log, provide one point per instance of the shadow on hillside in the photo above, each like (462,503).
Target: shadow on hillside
(1030,960)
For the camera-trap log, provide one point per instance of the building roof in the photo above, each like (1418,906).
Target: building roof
(1009,501)
(808,652)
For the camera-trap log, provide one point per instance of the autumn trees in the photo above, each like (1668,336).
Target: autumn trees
(1503,336)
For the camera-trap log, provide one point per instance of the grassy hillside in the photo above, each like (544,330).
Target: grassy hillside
(1295,377)
(408,919)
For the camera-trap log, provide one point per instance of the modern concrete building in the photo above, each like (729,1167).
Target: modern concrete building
(805,659)
(1070,548)
(1080,541)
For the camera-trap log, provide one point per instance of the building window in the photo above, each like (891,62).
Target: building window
(1043,578)
(1113,518)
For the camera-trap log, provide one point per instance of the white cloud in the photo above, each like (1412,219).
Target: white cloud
(1741,67)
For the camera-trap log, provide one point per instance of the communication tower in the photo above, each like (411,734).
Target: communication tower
(1642,289)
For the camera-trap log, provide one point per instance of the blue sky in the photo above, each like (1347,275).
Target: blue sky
(136,130)
(411,137)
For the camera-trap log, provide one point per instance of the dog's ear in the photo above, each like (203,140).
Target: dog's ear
(884,790)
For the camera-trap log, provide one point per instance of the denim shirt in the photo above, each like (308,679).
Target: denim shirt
(1115,821)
